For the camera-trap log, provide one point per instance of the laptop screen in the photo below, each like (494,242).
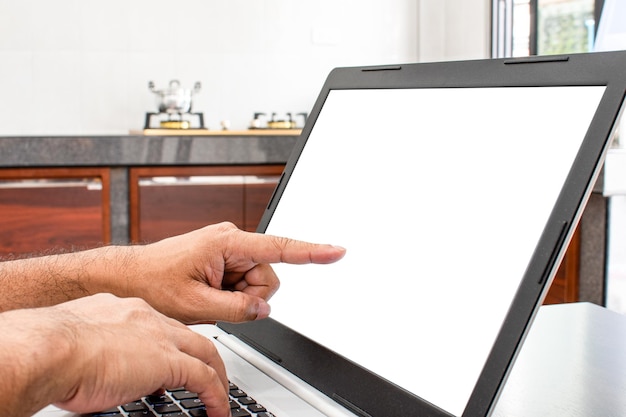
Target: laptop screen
(440,196)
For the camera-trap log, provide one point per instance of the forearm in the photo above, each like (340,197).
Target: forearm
(49,280)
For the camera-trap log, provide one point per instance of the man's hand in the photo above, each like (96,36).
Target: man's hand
(100,351)
(218,272)
(215,273)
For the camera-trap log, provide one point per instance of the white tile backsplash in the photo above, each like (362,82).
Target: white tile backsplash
(17,91)
(83,66)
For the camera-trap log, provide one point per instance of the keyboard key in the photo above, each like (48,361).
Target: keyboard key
(167,408)
(143,413)
(246,400)
(192,403)
(256,408)
(198,412)
(183,395)
(239,412)
(134,406)
(237,393)
(159,399)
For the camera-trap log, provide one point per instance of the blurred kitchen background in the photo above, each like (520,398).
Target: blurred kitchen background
(83,66)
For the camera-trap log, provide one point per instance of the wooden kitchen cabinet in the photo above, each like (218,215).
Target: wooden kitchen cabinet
(166,201)
(564,288)
(53,209)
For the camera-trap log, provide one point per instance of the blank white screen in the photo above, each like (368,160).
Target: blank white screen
(439,196)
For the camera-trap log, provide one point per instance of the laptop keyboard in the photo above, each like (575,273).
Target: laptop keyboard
(182,403)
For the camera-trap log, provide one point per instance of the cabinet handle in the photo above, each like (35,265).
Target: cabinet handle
(89,183)
(208,180)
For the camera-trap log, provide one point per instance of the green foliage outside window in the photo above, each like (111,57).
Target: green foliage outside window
(564,26)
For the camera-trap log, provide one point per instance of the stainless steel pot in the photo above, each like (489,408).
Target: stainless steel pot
(174,99)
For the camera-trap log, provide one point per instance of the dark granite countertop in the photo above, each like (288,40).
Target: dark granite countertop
(138,150)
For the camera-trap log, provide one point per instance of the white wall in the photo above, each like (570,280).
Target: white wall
(454,29)
(83,66)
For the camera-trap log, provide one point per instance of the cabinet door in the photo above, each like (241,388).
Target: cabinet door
(564,288)
(51,210)
(173,205)
(258,191)
(167,201)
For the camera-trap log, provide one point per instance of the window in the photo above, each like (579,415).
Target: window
(543,27)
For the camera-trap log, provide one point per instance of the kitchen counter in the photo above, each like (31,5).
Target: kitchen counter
(119,154)
(243,147)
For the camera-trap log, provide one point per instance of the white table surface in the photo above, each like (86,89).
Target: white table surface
(573,363)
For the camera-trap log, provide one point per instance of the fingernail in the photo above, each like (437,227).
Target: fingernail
(263,310)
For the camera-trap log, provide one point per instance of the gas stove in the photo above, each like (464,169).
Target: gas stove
(174,121)
(278,120)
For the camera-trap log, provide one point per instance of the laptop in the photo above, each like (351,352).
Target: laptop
(455,187)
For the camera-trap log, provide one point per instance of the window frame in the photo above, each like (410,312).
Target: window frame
(502,21)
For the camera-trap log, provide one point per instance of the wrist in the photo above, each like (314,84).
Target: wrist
(109,269)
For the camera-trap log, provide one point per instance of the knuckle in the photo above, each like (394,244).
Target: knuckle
(282,244)
(239,308)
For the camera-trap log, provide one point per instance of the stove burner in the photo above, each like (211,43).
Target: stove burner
(174,120)
(278,121)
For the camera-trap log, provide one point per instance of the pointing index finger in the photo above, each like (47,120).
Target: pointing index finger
(274,249)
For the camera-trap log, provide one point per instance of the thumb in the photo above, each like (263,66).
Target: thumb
(230,306)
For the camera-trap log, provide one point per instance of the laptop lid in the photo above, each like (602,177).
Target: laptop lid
(455,187)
